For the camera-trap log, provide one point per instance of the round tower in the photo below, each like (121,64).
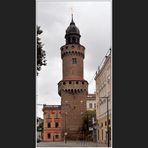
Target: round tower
(72,88)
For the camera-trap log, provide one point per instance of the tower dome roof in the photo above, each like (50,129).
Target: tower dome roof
(72,29)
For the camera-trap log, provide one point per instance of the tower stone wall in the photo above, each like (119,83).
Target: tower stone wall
(73,88)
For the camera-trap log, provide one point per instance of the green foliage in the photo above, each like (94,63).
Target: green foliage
(40,127)
(87,120)
(41,55)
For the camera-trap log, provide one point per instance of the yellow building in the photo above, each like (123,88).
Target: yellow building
(103,80)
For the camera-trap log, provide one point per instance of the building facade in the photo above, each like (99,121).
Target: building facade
(104,100)
(72,88)
(91,106)
(52,123)
(91,102)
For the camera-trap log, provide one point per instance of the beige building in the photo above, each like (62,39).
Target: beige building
(91,102)
(104,100)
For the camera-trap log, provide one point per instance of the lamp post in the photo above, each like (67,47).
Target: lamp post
(65,128)
(108,137)
(97,127)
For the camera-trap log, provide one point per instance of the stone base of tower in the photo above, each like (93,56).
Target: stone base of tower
(72,135)
(73,107)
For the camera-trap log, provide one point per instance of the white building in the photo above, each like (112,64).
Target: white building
(104,100)
(91,102)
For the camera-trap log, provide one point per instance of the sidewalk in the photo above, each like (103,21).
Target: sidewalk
(70,144)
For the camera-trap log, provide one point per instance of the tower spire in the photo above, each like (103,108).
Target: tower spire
(72,17)
(72,22)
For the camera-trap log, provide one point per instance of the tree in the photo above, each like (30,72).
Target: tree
(87,121)
(41,55)
(40,127)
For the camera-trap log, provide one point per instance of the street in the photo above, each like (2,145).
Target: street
(70,144)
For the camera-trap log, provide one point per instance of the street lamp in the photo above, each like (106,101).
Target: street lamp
(107,119)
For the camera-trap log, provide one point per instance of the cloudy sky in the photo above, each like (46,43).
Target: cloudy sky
(94,22)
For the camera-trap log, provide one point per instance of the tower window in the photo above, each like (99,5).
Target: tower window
(76,40)
(69,40)
(77,82)
(66,47)
(64,83)
(74,61)
(69,82)
(73,39)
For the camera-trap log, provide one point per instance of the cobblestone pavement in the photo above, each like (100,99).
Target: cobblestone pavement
(69,144)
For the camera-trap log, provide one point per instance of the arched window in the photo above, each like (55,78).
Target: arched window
(74,39)
(69,40)
(77,40)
